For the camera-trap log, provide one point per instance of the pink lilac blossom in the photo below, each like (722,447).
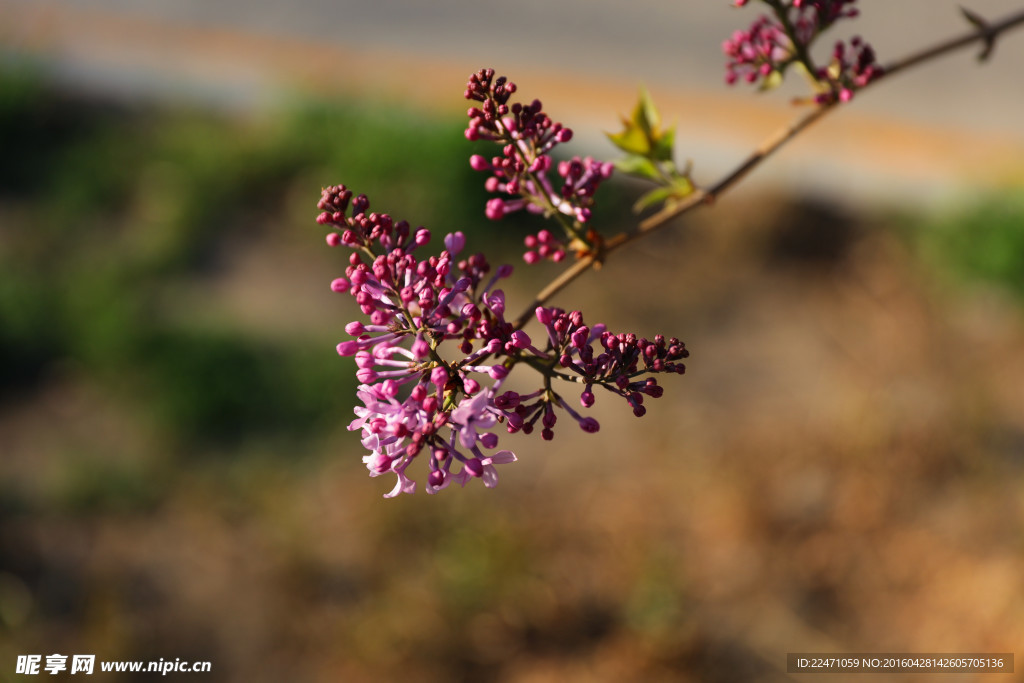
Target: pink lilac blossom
(410,395)
(755,53)
(852,68)
(772,44)
(527,137)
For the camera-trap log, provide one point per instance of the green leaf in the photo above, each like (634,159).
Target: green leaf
(631,140)
(679,189)
(663,146)
(642,133)
(637,165)
(646,115)
(655,196)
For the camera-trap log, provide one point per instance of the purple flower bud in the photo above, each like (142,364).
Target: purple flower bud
(520,339)
(380,463)
(495,209)
(420,348)
(389,388)
(474,467)
(347,348)
(454,242)
(507,401)
(436,478)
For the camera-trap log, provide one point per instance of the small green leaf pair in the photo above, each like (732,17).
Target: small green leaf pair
(649,155)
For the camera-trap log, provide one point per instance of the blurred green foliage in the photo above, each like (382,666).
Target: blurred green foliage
(982,241)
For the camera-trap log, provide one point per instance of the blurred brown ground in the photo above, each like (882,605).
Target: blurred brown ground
(839,470)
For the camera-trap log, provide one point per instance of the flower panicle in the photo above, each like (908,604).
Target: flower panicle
(520,174)
(763,52)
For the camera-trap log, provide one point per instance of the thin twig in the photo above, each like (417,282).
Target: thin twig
(986,33)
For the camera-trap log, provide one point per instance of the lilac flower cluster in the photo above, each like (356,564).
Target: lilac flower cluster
(622,359)
(755,53)
(415,402)
(852,67)
(433,348)
(771,44)
(528,136)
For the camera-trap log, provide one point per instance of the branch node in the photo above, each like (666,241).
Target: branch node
(984,28)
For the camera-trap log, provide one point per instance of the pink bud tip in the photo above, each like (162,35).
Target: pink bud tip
(333,239)
(420,348)
(520,339)
(495,209)
(475,467)
(454,242)
(339,284)
(348,348)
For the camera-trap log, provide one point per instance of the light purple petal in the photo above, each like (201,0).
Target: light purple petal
(502,458)
(404,485)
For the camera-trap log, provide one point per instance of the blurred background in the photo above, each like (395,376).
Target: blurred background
(841,468)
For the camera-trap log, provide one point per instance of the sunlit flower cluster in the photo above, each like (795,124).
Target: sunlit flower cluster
(527,137)
(763,52)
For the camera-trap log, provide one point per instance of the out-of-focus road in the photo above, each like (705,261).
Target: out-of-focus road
(946,124)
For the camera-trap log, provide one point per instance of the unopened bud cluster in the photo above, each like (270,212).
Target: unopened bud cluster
(527,137)
(763,52)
